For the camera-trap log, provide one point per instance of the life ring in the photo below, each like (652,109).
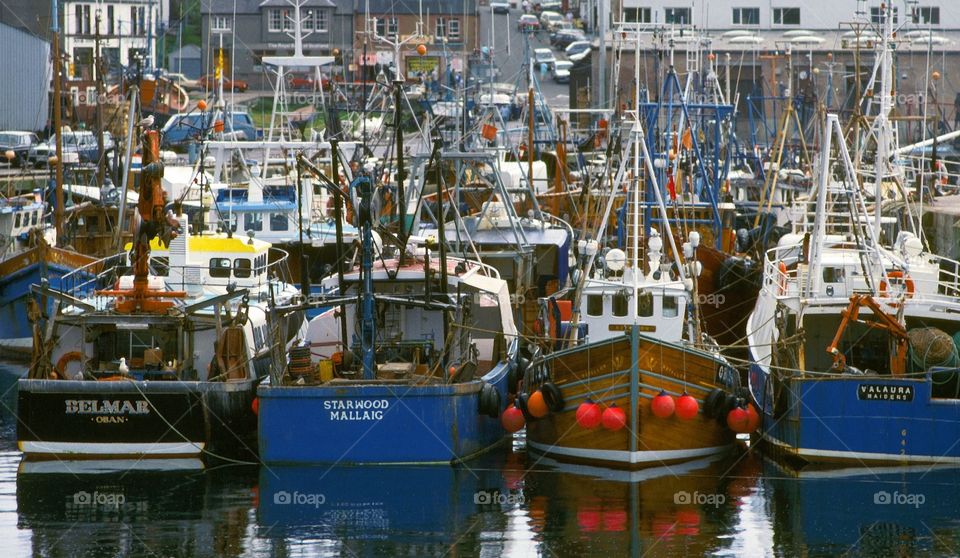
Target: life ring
(782,278)
(552,396)
(897,274)
(66,359)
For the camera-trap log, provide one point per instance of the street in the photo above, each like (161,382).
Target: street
(512,62)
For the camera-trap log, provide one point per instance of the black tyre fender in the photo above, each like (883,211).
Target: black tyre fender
(711,400)
(552,396)
(489,401)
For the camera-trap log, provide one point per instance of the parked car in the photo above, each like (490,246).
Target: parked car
(18,142)
(561,71)
(577,50)
(181,129)
(562,39)
(528,22)
(307,82)
(549,19)
(78,147)
(209,82)
(544,56)
(183,81)
(500,7)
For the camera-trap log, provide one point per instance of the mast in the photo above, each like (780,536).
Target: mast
(55,28)
(368,323)
(882,123)
(98,66)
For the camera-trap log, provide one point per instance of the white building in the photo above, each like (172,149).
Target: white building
(767,15)
(128,30)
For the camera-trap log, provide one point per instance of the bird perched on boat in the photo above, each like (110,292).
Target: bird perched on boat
(146,122)
(123,368)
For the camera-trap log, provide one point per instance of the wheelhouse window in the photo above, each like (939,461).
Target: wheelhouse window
(671,307)
(876,15)
(594,305)
(279,222)
(220,267)
(833,275)
(645,304)
(160,265)
(241,268)
(252,222)
(621,305)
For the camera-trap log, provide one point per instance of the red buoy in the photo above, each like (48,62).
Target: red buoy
(738,420)
(753,418)
(512,419)
(536,406)
(687,407)
(663,405)
(255,405)
(613,418)
(589,414)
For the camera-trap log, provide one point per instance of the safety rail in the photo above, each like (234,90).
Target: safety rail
(104,274)
(926,277)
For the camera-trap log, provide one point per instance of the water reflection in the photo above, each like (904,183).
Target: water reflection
(92,508)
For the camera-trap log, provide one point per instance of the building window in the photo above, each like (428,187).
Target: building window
(82,20)
(393,27)
(786,16)
(926,15)
(746,16)
(111,30)
(221,23)
(637,15)
(876,15)
(134,24)
(274,21)
(680,16)
(142,19)
(441,27)
(316,20)
(453,30)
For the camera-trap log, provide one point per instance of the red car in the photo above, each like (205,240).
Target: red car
(307,82)
(209,82)
(528,22)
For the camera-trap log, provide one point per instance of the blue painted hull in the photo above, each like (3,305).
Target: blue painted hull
(15,292)
(357,424)
(859,419)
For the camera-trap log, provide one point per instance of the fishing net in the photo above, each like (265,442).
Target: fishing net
(931,347)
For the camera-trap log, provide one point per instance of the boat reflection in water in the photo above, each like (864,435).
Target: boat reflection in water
(875,511)
(160,507)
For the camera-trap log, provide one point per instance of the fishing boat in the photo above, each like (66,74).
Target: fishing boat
(28,254)
(163,361)
(410,363)
(621,349)
(886,389)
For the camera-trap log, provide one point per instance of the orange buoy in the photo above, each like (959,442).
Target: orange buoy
(421,49)
(536,405)
(202,105)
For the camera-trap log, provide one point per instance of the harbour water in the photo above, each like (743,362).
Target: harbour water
(508,503)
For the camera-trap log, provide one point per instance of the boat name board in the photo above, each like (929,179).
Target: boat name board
(360,410)
(106,411)
(884,392)
(626,327)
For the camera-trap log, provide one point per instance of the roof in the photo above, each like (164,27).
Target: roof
(434,7)
(307,4)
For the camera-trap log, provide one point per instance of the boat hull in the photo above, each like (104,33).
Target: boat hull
(124,419)
(857,419)
(628,372)
(17,274)
(393,423)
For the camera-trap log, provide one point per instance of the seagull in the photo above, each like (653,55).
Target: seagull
(123,368)
(146,122)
